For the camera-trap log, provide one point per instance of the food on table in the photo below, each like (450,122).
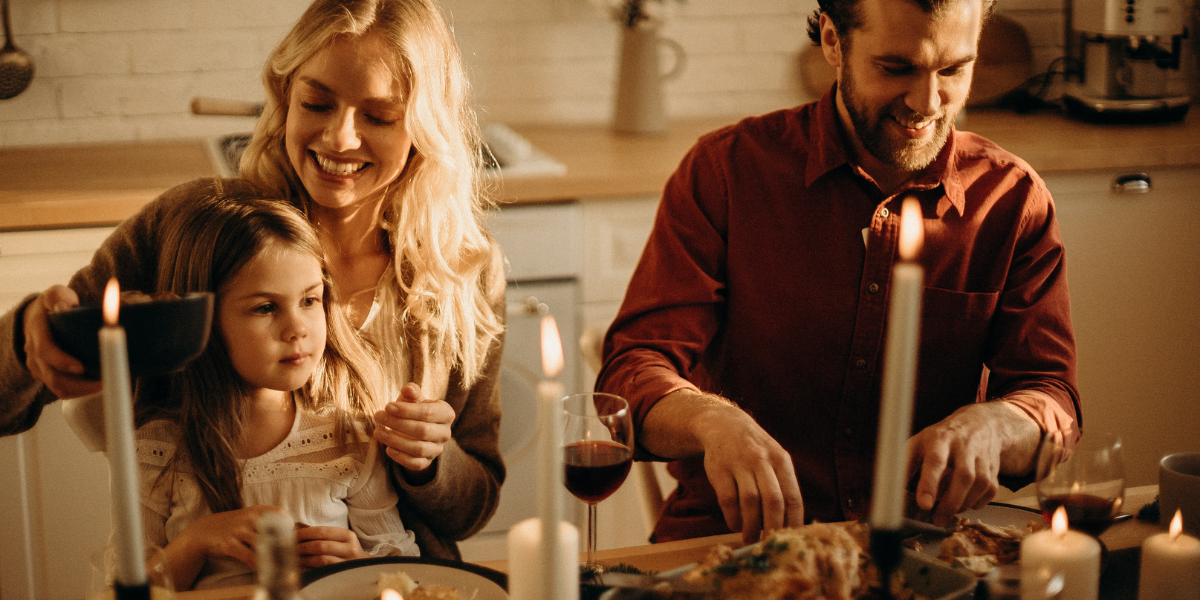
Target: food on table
(821,560)
(411,590)
(136,297)
(977,546)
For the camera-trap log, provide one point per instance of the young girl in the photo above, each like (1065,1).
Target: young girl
(275,415)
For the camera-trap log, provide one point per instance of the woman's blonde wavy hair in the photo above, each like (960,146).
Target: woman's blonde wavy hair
(434,211)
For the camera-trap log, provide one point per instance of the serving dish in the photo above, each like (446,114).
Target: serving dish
(162,335)
(355,579)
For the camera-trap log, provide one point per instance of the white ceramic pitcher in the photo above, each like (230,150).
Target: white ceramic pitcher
(639,101)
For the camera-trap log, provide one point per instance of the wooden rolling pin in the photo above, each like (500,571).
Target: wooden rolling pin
(203,105)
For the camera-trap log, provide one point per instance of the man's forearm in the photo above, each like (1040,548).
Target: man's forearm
(674,427)
(1022,433)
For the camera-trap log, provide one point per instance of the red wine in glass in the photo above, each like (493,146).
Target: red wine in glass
(594,470)
(1085,512)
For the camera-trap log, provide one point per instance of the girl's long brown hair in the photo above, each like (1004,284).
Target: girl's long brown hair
(205,244)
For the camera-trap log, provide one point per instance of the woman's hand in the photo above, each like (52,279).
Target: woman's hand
(414,429)
(59,371)
(231,534)
(320,546)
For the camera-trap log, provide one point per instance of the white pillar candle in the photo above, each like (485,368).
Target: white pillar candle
(526,570)
(899,375)
(122,462)
(1170,565)
(550,552)
(1074,555)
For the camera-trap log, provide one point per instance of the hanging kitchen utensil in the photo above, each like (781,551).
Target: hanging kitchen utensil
(16,66)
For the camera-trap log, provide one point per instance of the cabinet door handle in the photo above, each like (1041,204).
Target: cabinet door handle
(1132,183)
(530,306)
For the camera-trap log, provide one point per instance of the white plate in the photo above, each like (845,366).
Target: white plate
(355,580)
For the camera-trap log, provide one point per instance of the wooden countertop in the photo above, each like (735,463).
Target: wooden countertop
(102,184)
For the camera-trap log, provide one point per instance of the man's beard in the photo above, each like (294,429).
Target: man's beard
(907,155)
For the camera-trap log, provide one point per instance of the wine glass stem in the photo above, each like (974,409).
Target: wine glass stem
(591,539)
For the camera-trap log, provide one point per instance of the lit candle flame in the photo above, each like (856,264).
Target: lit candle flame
(112,302)
(912,233)
(1058,523)
(1176,527)
(390,594)
(552,352)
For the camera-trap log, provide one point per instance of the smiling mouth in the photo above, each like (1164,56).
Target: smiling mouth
(340,169)
(914,123)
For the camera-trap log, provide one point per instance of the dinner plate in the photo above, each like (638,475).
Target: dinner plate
(356,579)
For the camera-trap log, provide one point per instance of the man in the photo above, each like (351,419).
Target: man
(751,338)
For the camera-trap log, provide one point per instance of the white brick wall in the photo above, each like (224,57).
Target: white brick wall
(127,69)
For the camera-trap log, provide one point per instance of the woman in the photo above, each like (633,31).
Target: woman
(367,130)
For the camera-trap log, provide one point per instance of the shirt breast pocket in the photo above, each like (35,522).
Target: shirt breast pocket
(954,335)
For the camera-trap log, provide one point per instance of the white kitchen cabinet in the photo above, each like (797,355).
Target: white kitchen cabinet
(54,506)
(1133,266)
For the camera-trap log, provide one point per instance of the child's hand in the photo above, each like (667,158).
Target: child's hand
(414,429)
(320,546)
(231,534)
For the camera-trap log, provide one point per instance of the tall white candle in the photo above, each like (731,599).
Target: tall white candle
(122,462)
(1170,565)
(899,375)
(1074,555)
(550,465)
(526,569)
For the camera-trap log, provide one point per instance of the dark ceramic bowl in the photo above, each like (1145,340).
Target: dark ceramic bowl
(162,335)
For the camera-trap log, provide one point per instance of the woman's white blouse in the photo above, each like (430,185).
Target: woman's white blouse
(307,474)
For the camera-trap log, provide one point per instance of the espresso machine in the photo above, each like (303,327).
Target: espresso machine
(1126,49)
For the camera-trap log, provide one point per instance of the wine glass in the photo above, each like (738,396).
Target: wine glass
(597,453)
(1088,480)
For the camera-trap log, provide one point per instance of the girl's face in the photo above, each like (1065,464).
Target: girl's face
(272,319)
(345,135)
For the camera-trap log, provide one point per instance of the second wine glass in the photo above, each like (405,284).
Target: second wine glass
(597,452)
(1087,479)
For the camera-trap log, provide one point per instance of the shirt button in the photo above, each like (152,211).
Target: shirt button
(848,432)
(850,504)
(873,288)
(884,213)
(860,364)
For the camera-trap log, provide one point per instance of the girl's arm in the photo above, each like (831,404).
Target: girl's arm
(229,534)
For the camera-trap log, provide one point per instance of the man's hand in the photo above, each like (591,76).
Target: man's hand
(414,429)
(751,473)
(60,372)
(961,457)
(320,546)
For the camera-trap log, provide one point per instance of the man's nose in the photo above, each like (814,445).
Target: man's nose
(926,96)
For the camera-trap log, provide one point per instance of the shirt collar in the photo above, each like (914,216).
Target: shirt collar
(827,151)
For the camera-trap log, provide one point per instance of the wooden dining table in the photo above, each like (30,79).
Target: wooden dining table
(1121,540)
